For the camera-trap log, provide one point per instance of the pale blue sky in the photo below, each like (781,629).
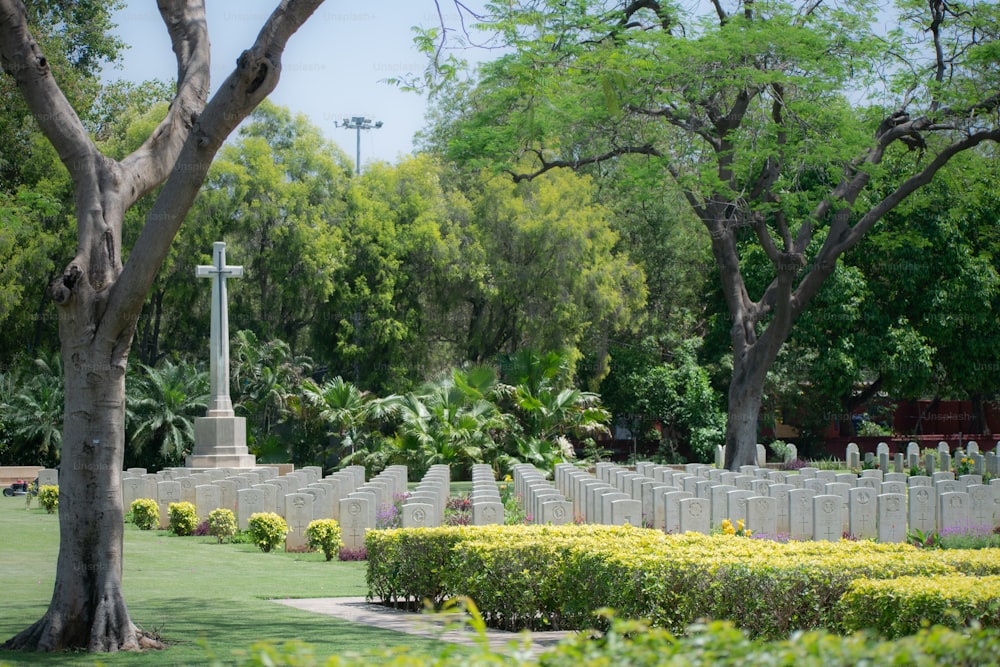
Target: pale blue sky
(332,67)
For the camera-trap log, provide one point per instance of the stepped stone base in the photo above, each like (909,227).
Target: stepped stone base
(220,442)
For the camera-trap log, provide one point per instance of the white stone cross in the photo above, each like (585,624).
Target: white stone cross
(219,403)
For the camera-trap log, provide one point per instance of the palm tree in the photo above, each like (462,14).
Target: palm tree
(265,377)
(547,409)
(161,405)
(449,422)
(34,412)
(349,413)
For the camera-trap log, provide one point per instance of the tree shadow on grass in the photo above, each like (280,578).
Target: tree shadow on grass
(200,631)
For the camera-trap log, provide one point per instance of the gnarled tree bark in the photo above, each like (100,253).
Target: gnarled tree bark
(99,298)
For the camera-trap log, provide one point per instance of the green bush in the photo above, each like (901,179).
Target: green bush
(145,513)
(48,497)
(405,565)
(222,524)
(183,518)
(324,534)
(525,576)
(899,607)
(715,644)
(267,530)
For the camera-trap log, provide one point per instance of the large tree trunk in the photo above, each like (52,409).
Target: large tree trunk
(88,608)
(99,299)
(746,391)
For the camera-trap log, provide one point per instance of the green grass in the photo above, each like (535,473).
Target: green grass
(207,601)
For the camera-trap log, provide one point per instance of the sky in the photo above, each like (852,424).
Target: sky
(333,67)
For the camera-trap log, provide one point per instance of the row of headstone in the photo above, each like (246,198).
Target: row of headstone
(941,460)
(358,511)
(542,501)
(487,505)
(424,506)
(613,495)
(810,504)
(245,492)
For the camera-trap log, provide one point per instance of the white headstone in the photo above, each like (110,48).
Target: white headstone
(891,517)
(800,514)
(762,515)
(953,511)
(356,518)
(828,519)
(694,515)
(298,516)
(863,513)
(250,501)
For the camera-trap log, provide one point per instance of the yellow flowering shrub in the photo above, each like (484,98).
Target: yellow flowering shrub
(548,577)
(899,607)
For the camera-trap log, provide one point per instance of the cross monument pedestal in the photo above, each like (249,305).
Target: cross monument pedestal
(220,437)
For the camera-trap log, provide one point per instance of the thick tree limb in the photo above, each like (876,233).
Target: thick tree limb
(150,164)
(23,60)
(256,74)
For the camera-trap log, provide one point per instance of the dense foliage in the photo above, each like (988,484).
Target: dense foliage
(527,577)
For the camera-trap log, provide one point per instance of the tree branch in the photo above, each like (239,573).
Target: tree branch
(23,60)
(547,165)
(150,164)
(256,75)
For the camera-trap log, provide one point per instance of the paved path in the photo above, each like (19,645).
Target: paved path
(357,610)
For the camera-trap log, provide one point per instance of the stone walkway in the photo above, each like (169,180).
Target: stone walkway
(357,610)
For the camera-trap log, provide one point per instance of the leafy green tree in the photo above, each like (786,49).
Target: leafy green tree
(276,196)
(387,323)
(349,414)
(748,110)
(265,379)
(33,412)
(162,403)
(102,288)
(549,272)
(674,396)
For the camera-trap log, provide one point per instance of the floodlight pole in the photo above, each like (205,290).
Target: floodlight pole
(359,123)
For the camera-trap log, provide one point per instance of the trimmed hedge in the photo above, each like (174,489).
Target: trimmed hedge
(899,607)
(556,577)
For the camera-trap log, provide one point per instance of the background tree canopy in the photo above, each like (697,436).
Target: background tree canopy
(559,202)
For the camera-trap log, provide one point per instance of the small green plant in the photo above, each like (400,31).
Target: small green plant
(594,452)
(183,518)
(873,429)
(221,524)
(964,466)
(145,513)
(781,450)
(48,497)
(513,509)
(922,540)
(324,534)
(267,530)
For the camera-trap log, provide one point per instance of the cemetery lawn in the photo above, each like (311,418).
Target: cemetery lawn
(207,601)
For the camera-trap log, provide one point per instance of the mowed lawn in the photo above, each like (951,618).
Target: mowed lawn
(209,602)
